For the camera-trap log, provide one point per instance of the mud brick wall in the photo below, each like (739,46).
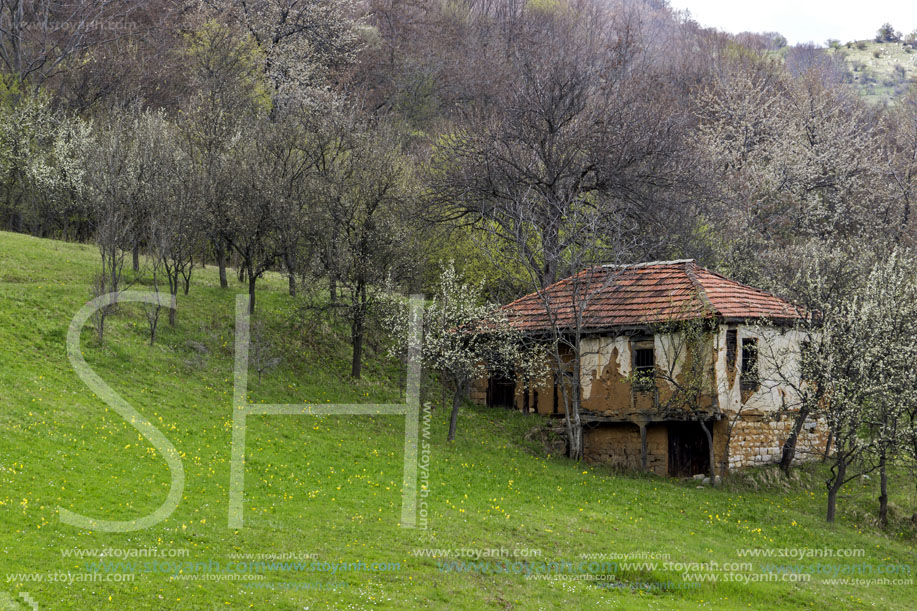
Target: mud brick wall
(477,393)
(619,446)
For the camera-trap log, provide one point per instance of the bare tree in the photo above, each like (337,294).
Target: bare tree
(795,164)
(153,309)
(229,92)
(112,237)
(265,202)
(801,188)
(330,124)
(563,163)
(250,222)
(295,162)
(118,171)
(579,120)
(795,159)
(808,59)
(262,357)
(177,217)
(37,37)
(359,228)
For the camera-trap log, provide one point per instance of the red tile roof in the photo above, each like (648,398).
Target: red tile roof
(646,293)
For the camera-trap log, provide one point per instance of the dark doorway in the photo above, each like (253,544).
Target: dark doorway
(501,391)
(688,451)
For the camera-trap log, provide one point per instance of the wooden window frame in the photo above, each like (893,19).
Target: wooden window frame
(644,376)
(750,375)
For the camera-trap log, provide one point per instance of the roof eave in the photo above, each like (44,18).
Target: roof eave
(779,321)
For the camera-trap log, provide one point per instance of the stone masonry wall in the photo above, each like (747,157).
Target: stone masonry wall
(758,440)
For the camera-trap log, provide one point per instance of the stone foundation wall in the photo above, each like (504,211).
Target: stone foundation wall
(619,446)
(758,439)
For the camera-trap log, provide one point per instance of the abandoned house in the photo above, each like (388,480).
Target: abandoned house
(647,381)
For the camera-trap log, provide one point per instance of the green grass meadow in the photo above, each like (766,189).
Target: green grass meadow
(323,493)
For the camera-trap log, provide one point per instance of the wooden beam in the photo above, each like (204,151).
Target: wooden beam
(643,446)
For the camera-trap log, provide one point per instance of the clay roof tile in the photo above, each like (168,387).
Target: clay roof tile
(645,293)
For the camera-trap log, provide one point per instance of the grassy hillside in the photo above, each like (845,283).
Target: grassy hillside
(881,71)
(326,490)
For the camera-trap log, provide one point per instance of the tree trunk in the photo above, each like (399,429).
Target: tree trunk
(221,263)
(883,489)
(834,487)
(914,517)
(357,331)
(291,274)
(905,217)
(577,448)
(155,323)
(251,293)
(828,446)
(576,443)
(356,363)
(575,432)
(549,242)
(456,403)
(356,338)
(789,446)
(136,256)
(173,291)
(709,435)
(572,421)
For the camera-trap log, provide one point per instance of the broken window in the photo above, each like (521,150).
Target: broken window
(644,367)
(749,363)
(732,344)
